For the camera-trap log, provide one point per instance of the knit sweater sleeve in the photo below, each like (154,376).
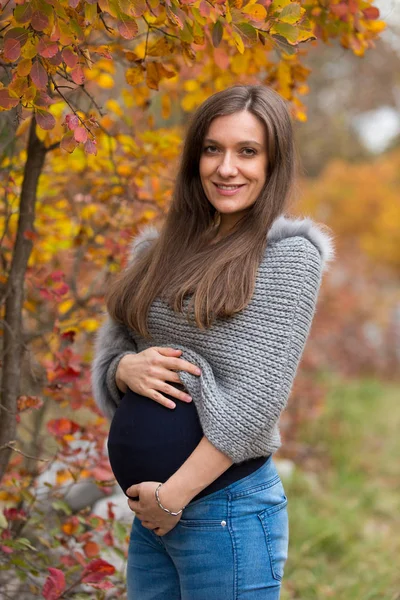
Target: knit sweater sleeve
(247,380)
(112,342)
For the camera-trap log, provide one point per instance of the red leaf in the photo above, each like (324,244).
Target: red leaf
(44,119)
(30,235)
(56,59)
(68,142)
(28,402)
(12,49)
(42,100)
(14,514)
(69,57)
(77,75)
(62,426)
(72,121)
(91,147)
(91,549)
(97,570)
(128,28)
(54,585)
(17,33)
(7,101)
(39,75)
(39,20)
(103,585)
(23,13)
(371,12)
(57,275)
(80,134)
(46,48)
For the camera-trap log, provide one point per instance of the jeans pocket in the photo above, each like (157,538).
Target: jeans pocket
(202,523)
(275,522)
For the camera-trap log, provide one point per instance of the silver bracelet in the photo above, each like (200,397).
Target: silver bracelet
(163,507)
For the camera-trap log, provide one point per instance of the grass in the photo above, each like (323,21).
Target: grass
(344,516)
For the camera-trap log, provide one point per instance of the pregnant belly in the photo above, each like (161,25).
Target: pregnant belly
(149,442)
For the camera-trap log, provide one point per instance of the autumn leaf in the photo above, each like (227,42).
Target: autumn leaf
(128,28)
(44,119)
(134,75)
(371,12)
(77,75)
(217,33)
(54,585)
(62,426)
(91,549)
(38,75)
(46,48)
(70,57)
(23,12)
(97,570)
(6,100)
(12,49)
(91,147)
(256,12)
(80,134)
(40,20)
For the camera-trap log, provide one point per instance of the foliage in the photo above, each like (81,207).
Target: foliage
(53,50)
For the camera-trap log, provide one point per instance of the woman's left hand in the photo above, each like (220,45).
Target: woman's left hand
(147,509)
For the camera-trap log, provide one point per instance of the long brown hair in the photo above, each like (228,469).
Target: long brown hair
(180,263)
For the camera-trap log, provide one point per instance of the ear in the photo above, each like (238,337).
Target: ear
(318,234)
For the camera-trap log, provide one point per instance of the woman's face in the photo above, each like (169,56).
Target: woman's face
(234,154)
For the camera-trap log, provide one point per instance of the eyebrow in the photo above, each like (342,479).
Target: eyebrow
(251,142)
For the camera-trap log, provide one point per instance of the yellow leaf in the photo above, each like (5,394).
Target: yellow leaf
(64,306)
(256,12)
(134,75)
(114,107)
(166,106)
(238,41)
(105,81)
(191,85)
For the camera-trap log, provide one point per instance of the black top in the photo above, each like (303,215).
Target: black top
(150,442)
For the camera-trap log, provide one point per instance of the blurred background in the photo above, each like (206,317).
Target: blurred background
(109,151)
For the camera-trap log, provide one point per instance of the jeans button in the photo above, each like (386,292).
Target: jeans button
(223,523)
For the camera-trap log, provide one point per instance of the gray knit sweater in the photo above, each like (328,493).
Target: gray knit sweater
(248,361)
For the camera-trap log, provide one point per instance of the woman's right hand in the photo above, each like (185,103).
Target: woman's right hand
(148,372)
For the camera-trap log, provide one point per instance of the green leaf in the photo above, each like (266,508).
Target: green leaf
(291,13)
(61,505)
(217,33)
(290,32)
(248,33)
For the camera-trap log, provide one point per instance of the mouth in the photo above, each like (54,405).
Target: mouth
(228,190)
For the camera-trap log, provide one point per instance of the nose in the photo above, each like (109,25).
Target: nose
(227,167)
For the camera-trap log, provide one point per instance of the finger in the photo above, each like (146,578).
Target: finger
(168,351)
(165,388)
(179,364)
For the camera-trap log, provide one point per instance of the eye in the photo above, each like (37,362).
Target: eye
(251,150)
(207,148)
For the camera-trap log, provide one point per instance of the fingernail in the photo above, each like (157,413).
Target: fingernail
(171,404)
(198,372)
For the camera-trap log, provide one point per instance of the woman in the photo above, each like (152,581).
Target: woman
(198,353)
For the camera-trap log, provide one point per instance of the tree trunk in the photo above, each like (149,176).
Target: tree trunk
(13,330)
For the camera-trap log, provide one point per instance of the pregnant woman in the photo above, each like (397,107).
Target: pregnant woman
(197,356)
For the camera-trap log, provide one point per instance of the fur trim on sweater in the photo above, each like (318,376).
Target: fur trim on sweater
(283,227)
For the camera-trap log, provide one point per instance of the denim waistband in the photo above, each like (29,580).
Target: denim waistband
(266,473)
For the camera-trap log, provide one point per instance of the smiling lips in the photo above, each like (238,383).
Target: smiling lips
(228,189)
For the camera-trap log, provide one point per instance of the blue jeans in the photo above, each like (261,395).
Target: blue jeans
(229,545)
